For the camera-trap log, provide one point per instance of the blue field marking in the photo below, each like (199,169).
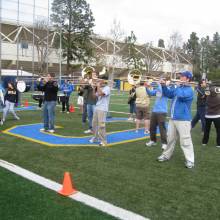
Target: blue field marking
(32,133)
(29,108)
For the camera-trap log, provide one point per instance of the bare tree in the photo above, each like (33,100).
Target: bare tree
(116,34)
(41,44)
(152,61)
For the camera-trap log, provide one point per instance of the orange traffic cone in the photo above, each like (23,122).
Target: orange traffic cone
(26,103)
(68,188)
(72,109)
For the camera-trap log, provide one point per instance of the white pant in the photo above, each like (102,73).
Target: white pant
(183,129)
(9,106)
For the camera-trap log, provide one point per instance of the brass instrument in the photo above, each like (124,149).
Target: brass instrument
(87,72)
(134,77)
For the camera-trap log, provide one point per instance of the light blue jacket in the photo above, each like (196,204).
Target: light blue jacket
(67,88)
(182,98)
(160,104)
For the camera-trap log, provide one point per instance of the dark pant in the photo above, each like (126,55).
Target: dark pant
(84,114)
(200,115)
(208,124)
(66,104)
(40,103)
(158,119)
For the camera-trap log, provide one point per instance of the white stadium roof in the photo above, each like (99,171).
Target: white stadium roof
(8,72)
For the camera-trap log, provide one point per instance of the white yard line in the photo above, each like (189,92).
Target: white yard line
(79,196)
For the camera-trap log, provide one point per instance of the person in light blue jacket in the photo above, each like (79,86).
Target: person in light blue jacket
(180,119)
(158,117)
(67,88)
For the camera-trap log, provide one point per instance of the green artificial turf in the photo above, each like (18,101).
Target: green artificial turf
(126,175)
(23,199)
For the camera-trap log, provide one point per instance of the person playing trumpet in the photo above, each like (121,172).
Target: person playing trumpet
(100,113)
(180,121)
(158,116)
(50,89)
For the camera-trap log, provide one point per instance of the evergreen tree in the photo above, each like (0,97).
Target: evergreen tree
(206,57)
(161,43)
(216,51)
(193,50)
(132,58)
(76,20)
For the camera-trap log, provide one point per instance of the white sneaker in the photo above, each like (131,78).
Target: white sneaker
(150,143)
(189,164)
(162,158)
(164,146)
(93,140)
(51,131)
(42,129)
(146,132)
(102,144)
(88,131)
(203,144)
(130,119)
(67,112)
(218,146)
(17,118)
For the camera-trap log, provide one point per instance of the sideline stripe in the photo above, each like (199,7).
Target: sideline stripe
(79,196)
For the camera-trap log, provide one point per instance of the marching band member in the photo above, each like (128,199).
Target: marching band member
(80,100)
(11,98)
(212,114)
(100,113)
(142,107)
(50,89)
(131,102)
(67,88)
(90,100)
(201,105)
(158,116)
(180,122)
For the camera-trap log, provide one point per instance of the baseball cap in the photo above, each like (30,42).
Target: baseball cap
(187,74)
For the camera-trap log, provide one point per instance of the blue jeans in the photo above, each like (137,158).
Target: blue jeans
(200,115)
(90,110)
(49,114)
(132,108)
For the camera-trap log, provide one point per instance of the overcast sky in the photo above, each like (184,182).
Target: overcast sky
(149,19)
(154,19)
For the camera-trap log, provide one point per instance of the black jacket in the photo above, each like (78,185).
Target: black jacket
(11,95)
(213,102)
(201,96)
(50,90)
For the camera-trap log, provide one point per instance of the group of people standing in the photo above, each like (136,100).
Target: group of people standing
(94,98)
(95,105)
(180,122)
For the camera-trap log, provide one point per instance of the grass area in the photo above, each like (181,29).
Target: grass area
(22,199)
(126,175)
